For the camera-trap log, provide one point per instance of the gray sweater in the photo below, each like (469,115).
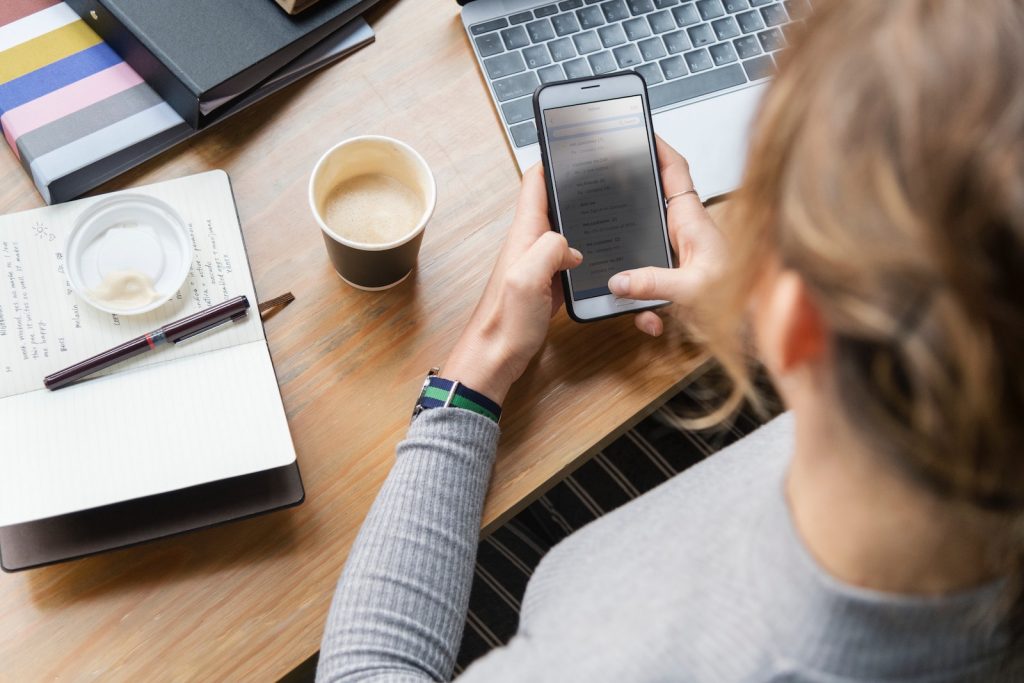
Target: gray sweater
(702,579)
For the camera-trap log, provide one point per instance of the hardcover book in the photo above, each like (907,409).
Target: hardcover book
(200,55)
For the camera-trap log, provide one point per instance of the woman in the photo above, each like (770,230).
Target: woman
(872,533)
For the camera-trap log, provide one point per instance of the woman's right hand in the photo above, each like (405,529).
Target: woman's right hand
(698,244)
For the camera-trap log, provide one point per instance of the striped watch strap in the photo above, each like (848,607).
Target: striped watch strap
(439,392)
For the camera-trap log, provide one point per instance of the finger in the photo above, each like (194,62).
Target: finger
(548,255)
(650,323)
(532,207)
(675,173)
(665,284)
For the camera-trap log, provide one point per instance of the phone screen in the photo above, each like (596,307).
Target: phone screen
(605,189)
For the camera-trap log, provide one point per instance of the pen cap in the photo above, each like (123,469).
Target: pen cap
(128,254)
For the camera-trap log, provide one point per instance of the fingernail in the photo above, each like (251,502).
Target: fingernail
(619,284)
(651,329)
(576,254)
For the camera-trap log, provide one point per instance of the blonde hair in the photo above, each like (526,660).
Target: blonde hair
(887,169)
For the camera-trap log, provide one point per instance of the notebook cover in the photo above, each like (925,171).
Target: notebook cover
(191,51)
(79,534)
(76,115)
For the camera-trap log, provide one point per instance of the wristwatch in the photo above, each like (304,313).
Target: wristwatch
(439,392)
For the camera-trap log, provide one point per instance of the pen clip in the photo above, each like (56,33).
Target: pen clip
(217,323)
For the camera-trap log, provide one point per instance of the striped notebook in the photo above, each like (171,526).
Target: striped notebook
(72,111)
(76,115)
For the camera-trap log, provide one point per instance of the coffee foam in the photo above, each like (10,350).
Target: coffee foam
(372,208)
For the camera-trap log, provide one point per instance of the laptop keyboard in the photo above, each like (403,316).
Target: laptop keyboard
(684,49)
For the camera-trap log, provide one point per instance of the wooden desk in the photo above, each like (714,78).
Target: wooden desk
(247,601)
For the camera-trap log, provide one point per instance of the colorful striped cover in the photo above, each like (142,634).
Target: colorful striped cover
(70,109)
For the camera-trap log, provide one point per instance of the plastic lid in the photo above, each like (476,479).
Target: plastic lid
(131,239)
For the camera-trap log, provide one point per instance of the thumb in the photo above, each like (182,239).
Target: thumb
(667,284)
(546,256)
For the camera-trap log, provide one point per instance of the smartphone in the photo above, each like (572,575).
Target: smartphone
(604,191)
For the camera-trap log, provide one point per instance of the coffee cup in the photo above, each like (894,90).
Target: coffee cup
(372,196)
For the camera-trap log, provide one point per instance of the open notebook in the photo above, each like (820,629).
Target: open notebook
(204,410)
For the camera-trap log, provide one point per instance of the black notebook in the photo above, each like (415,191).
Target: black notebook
(200,55)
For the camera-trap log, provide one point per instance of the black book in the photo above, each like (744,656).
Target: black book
(200,55)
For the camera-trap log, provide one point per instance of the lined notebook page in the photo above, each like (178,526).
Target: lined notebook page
(44,326)
(142,432)
(203,410)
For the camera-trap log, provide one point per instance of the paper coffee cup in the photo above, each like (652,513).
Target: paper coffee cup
(366,265)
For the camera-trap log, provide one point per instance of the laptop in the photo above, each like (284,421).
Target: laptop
(706,64)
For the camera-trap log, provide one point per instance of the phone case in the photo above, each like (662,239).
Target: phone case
(552,215)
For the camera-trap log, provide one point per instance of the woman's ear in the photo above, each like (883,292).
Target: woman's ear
(788,324)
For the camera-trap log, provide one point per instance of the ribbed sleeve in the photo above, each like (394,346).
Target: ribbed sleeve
(401,602)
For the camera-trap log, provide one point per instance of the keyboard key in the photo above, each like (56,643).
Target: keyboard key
(488,26)
(612,35)
(733,6)
(627,56)
(774,15)
(515,86)
(504,65)
(540,30)
(638,7)
(759,3)
(536,56)
(771,40)
(565,24)
(602,62)
(747,46)
(710,9)
(636,28)
(567,5)
(677,42)
(759,67)
(652,49)
(592,2)
(524,134)
(550,74)
(696,86)
(725,29)
(701,35)
(515,37)
(798,9)
(521,17)
(545,11)
(586,42)
(750,21)
(699,60)
(665,4)
(518,110)
(489,44)
(615,10)
(590,17)
(651,73)
(661,21)
(673,67)
(577,68)
(561,49)
(686,15)
(722,54)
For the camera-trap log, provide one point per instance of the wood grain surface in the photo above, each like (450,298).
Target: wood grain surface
(247,601)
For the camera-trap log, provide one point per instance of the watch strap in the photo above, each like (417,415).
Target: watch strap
(439,392)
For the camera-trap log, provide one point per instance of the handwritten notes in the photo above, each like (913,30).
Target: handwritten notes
(45,326)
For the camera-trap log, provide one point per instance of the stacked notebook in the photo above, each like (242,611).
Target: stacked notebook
(77,112)
(178,438)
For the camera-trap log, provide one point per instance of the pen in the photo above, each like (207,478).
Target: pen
(179,330)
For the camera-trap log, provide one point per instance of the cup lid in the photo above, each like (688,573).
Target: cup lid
(128,254)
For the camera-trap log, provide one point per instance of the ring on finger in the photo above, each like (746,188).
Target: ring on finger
(692,190)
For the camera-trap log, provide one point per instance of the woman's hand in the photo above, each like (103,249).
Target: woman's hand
(511,320)
(699,248)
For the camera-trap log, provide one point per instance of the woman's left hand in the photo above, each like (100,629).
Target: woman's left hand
(511,320)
